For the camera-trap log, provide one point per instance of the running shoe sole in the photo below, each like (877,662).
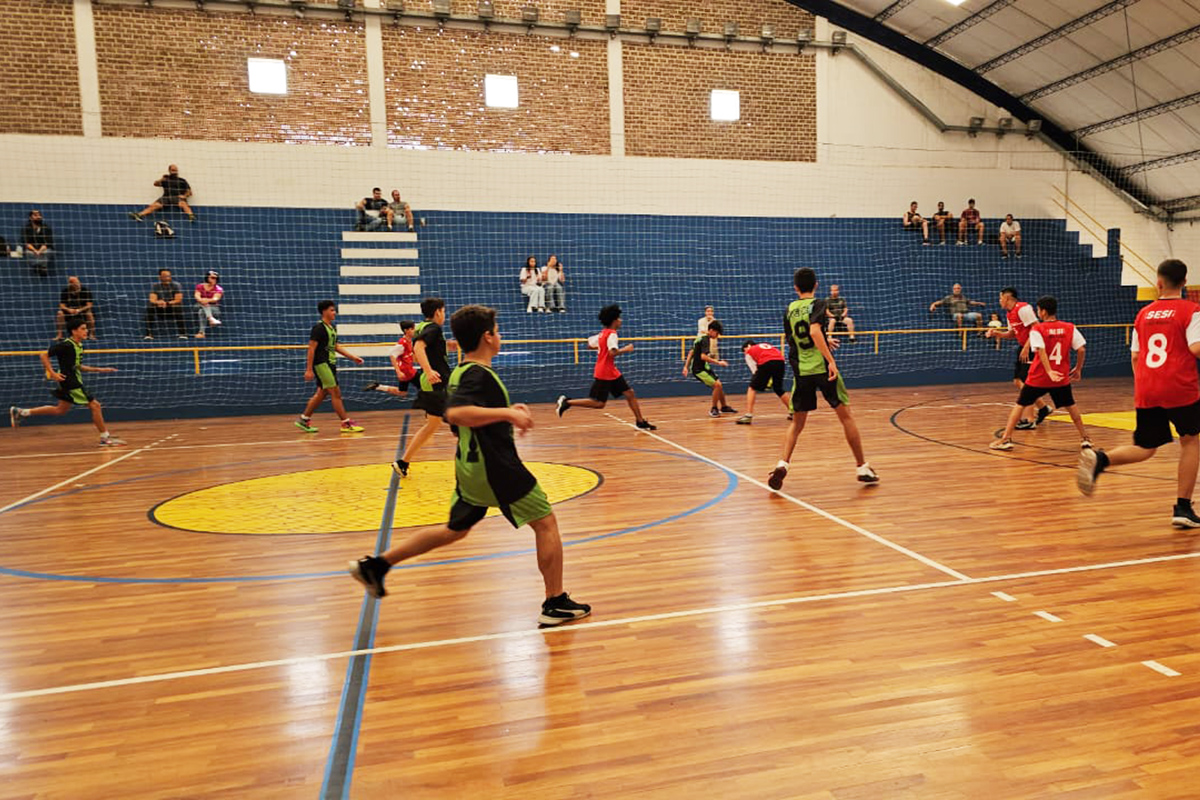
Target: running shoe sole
(1085,473)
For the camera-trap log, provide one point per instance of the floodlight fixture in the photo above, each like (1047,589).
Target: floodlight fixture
(974,124)
(838,38)
(485,10)
(612,24)
(441,10)
(298,7)
(346,5)
(768,34)
(692,29)
(529,15)
(653,27)
(1032,128)
(1003,126)
(573,18)
(803,38)
(731,32)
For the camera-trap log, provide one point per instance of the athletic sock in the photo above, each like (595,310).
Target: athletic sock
(1186,502)
(783,464)
(306,419)
(24,412)
(1102,462)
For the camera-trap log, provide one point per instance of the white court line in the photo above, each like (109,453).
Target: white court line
(929,562)
(203,446)
(1157,667)
(1046,615)
(84,474)
(1100,640)
(1008,598)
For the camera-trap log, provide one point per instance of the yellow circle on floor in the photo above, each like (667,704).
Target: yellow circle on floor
(342,499)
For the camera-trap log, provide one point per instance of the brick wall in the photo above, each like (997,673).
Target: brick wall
(435,91)
(749,14)
(39,78)
(591,11)
(182,74)
(667,104)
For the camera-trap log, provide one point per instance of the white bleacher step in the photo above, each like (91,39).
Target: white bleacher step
(377,309)
(379,289)
(378,236)
(372,352)
(379,252)
(376,330)
(393,271)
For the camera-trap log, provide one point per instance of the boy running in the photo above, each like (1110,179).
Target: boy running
(401,357)
(1051,342)
(70,391)
(488,471)
(429,348)
(1021,319)
(697,364)
(814,370)
(1166,391)
(320,364)
(766,370)
(606,378)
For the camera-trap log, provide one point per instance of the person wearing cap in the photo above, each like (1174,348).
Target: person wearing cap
(208,297)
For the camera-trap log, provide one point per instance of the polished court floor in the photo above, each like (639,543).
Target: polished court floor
(177,623)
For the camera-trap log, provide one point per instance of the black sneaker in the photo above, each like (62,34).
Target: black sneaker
(1042,413)
(714,412)
(400,467)
(1026,425)
(1087,471)
(557,610)
(560,405)
(728,410)
(369,571)
(1184,517)
(777,476)
(372,386)
(645,425)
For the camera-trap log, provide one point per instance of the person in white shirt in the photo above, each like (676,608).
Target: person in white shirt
(553,278)
(531,287)
(1010,231)
(702,323)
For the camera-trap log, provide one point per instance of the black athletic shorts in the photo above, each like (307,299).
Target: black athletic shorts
(602,388)
(1021,369)
(804,393)
(432,403)
(768,374)
(1062,396)
(1154,424)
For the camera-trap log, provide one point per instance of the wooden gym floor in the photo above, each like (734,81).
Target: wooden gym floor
(969,628)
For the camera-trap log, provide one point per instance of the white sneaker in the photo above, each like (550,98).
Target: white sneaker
(867,475)
(215,321)
(111,441)
(1001,444)
(1086,445)
(1085,473)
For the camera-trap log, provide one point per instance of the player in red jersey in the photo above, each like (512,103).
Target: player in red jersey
(1051,342)
(1021,318)
(766,369)
(401,357)
(1166,391)
(607,379)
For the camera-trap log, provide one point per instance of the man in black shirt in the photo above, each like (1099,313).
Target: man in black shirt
(39,243)
(175,191)
(429,349)
(74,302)
(374,212)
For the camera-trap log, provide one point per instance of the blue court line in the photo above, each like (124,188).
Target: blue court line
(731,484)
(340,764)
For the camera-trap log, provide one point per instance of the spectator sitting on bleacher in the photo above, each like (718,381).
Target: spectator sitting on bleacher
(969,219)
(913,221)
(838,313)
(208,296)
(531,287)
(175,192)
(553,278)
(1010,231)
(38,241)
(958,305)
(995,323)
(74,301)
(373,212)
(166,302)
(398,206)
(940,218)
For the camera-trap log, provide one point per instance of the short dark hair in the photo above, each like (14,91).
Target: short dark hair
(74,323)
(1049,304)
(470,323)
(715,325)
(376,189)
(430,306)
(609,314)
(746,345)
(1011,291)
(324,304)
(407,324)
(805,279)
(164,269)
(972,200)
(1173,272)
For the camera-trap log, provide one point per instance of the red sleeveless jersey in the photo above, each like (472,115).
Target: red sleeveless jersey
(606,368)
(762,353)
(1057,338)
(1165,371)
(1018,327)
(405,370)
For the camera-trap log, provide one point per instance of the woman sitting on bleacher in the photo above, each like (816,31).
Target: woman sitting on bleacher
(208,296)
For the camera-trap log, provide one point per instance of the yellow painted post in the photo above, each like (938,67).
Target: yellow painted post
(877,343)
(683,349)
(964,338)
(1127,327)
(196,356)
(575,345)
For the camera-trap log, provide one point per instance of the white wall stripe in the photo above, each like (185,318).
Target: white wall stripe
(88,69)
(376,91)
(378,236)
(359,271)
(389,330)
(379,252)
(381,289)
(376,309)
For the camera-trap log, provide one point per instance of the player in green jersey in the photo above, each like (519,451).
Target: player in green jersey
(320,364)
(488,471)
(815,370)
(429,349)
(699,365)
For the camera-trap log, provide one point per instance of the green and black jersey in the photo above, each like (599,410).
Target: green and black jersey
(326,338)
(803,354)
(69,354)
(487,469)
(702,346)
(431,334)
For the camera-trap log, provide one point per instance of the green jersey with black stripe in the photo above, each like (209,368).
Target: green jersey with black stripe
(487,469)
(69,354)
(803,354)
(326,338)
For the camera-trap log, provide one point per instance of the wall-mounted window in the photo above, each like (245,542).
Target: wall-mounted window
(725,105)
(500,91)
(267,75)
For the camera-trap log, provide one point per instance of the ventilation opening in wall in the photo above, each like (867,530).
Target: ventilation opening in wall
(725,105)
(267,75)
(500,91)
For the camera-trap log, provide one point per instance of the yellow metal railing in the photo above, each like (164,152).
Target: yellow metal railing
(1103,235)
(684,341)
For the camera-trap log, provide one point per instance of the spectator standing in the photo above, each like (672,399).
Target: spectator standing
(374,212)
(38,240)
(166,302)
(175,192)
(398,206)
(74,303)
(913,221)
(995,324)
(838,313)
(553,278)
(970,220)
(941,218)
(531,287)
(208,298)
(1010,231)
(703,322)
(958,306)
